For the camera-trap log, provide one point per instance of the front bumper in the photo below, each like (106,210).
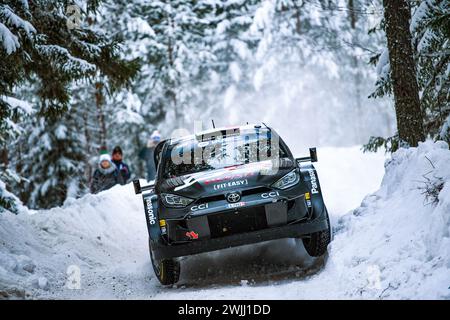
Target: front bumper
(164,251)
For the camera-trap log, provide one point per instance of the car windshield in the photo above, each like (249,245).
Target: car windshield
(196,155)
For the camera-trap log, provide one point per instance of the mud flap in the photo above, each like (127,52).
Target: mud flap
(151,215)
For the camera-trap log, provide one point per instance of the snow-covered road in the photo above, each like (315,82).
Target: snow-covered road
(104,239)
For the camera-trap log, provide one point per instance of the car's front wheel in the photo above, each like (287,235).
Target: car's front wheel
(166,270)
(316,243)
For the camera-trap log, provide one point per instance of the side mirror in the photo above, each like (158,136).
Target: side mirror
(157,152)
(138,188)
(313,154)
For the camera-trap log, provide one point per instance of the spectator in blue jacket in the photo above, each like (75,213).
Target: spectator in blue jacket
(117,159)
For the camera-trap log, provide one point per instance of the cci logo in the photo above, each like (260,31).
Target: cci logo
(271,194)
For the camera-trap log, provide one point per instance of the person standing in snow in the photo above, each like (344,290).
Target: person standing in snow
(106,175)
(147,154)
(123,168)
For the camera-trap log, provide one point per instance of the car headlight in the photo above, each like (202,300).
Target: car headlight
(174,201)
(290,179)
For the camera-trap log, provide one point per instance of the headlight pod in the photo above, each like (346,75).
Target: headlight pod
(175,201)
(289,180)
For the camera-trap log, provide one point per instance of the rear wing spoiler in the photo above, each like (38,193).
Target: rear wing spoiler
(138,188)
(312,156)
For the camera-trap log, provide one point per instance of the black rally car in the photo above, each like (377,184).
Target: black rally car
(230,187)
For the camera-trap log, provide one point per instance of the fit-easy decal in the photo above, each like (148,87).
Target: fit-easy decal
(231,184)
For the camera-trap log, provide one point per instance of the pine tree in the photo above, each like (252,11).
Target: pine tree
(85,114)
(430,27)
(430,30)
(36,41)
(53,162)
(15,32)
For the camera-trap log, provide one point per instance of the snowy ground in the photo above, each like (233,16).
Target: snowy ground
(392,246)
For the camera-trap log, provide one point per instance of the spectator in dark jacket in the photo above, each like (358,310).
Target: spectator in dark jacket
(123,168)
(106,175)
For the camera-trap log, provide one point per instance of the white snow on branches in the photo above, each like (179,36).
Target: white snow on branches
(383,66)
(8,40)
(66,62)
(21,104)
(10,21)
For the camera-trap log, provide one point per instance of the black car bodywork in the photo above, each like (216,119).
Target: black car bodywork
(218,207)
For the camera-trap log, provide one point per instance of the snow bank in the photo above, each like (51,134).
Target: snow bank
(39,249)
(397,243)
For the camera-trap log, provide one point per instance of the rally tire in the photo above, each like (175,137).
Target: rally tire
(166,270)
(316,244)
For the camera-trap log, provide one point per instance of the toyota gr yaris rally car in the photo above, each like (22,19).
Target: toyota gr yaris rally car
(229,187)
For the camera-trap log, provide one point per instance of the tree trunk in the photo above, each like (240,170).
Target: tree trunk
(406,92)
(297,14)
(88,167)
(352,13)
(171,92)
(4,159)
(359,125)
(100,113)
